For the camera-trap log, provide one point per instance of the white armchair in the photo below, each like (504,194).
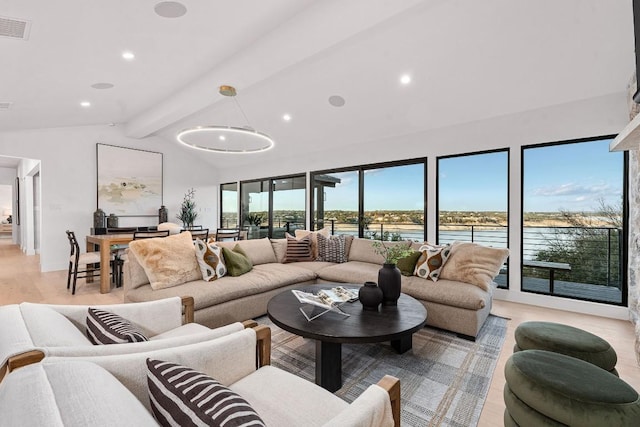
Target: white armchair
(29,332)
(280,398)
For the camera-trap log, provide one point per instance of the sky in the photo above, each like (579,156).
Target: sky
(569,177)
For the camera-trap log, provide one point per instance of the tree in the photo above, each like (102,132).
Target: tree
(591,244)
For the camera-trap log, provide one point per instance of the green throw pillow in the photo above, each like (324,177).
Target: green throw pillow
(407,264)
(237,261)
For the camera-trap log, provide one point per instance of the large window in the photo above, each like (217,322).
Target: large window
(381,201)
(574,225)
(229,205)
(271,207)
(473,200)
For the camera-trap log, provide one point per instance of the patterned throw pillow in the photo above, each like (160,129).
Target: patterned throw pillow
(298,249)
(331,249)
(210,260)
(104,327)
(180,396)
(431,261)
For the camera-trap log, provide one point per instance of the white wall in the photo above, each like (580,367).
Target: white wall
(68,178)
(594,117)
(6,200)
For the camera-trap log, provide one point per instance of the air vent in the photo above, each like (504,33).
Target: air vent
(14,28)
(5,105)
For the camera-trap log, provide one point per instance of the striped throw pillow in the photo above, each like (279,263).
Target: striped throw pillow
(180,396)
(332,248)
(298,249)
(104,327)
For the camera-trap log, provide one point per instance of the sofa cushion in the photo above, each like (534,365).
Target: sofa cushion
(236,261)
(259,251)
(41,321)
(262,278)
(331,249)
(104,327)
(350,272)
(362,250)
(183,396)
(279,249)
(268,387)
(169,261)
(475,264)
(210,260)
(298,249)
(314,238)
(67,393)
(182,331)
(432,260)
(137,276)
(446,292)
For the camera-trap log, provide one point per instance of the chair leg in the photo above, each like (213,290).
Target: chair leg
(69,275)
(75,278)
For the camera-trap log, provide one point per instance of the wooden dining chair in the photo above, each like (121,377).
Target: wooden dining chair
(227,234)
(81,265)
(149,234)
(202,234)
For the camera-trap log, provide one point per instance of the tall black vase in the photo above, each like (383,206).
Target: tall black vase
(389,280)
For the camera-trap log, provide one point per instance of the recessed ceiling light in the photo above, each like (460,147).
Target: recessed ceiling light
(85,104)
(336,100)
(222,138)
(286,117)
(129,56)
(102,85)
(405,79)
(170,9)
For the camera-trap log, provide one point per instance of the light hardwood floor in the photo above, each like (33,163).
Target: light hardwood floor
(20,280)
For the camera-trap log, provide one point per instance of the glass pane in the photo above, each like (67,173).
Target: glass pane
(394,203)
(572,221)
(336,202)
(473,201)
(255,208)
(289,201)
(229,205)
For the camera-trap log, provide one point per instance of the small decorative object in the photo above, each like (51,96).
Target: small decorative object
(389,277)
(370,296)
(98,218)
(188,212)
(112,221)
(390,280)
(163,214)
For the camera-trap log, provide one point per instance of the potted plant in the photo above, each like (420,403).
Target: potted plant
(389,277)
(188,212)
(254,220)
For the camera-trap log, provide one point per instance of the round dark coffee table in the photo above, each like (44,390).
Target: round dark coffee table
(391,323)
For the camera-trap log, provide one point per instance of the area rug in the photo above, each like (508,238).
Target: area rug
(443,379)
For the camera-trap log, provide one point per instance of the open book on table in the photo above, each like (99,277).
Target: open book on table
(329,299)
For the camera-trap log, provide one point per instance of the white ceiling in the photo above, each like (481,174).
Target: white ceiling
(469,60)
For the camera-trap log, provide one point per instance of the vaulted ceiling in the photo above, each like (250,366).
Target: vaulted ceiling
(467,60)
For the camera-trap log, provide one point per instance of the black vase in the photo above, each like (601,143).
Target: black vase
(389,280)
(163,215)
(370,295)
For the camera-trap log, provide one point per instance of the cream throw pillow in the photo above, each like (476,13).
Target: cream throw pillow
(326,231)
(475,264)
(168,261)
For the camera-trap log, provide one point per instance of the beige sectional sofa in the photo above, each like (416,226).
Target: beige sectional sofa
(451,304)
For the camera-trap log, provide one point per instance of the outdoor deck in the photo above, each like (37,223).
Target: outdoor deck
(569,289)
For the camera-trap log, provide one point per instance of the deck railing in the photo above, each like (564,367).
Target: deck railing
(594,253)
